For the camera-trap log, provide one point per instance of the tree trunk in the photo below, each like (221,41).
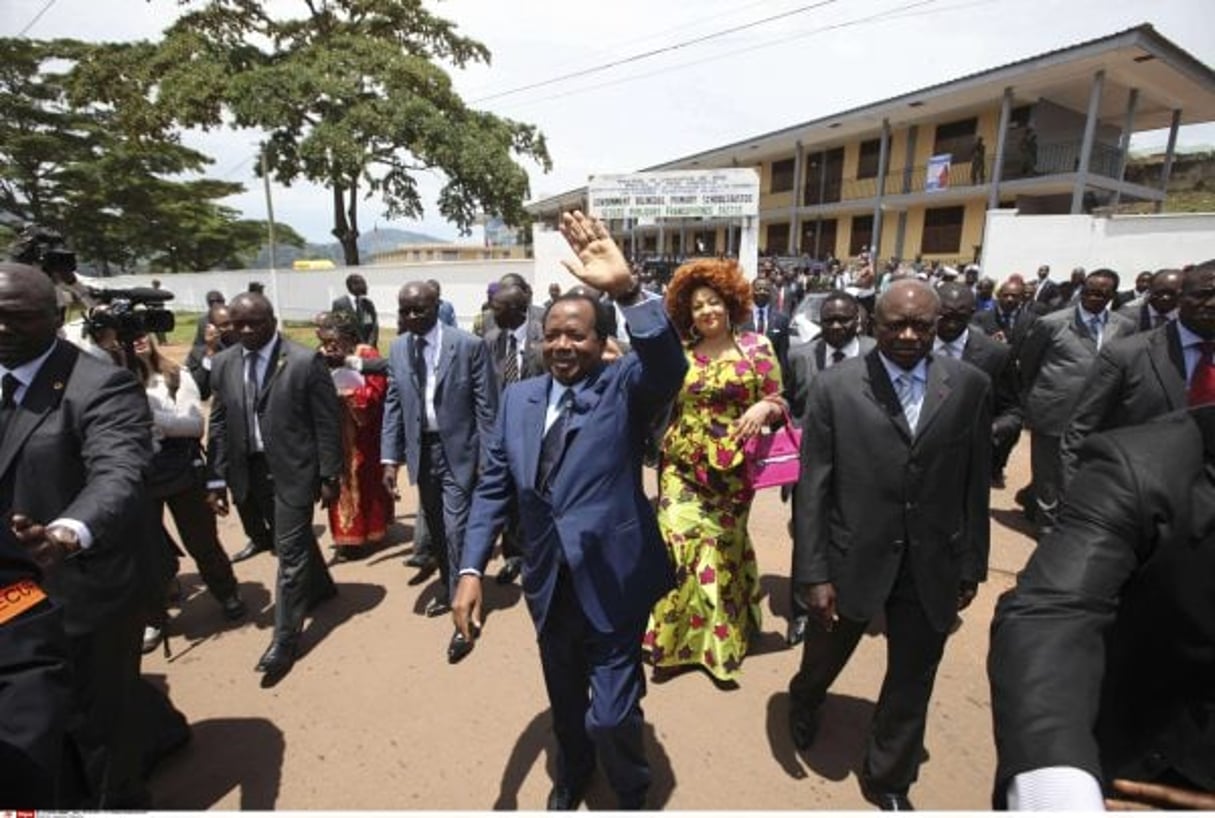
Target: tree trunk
(345,222)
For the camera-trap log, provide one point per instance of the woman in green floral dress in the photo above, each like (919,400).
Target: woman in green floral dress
(732,390)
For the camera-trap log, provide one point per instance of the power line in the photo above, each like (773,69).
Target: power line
(656,51)
(37,17)
(893,13)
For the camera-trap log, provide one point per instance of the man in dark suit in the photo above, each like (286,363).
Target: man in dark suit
(1048,296)
(767,320)
(569,447)
(275,441)
(786,292)
(75,439)
(1101,664)
(366,320)
(35,684)
(890,515)
(218,336)
(1146,375)
(442,398)
(214,298)
(515,345)
(1010,318)
(955,339)
(840,319)
(1058,351)
(1160,305)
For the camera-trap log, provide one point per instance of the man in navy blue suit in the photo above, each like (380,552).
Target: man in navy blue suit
(569,446)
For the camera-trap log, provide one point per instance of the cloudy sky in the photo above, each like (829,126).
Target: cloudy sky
(811,58)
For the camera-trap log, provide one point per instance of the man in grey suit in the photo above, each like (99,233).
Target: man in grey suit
(361,307)
(1055,359)
(1139,378)
(274,440)
(890,515)
(75,439)
(1160,305)
(840,319)
(955,339)
(440,409)
(515,343)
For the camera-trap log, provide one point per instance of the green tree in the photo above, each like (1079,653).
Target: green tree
(83,151)
(352,97)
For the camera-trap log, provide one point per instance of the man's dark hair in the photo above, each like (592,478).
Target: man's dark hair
(257,287)
(1105,273)
(603,316)
(352,278)
(518,280)
(955,291)
(214,297)
(438,287)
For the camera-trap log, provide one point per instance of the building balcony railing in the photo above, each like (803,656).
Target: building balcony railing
(1045,160)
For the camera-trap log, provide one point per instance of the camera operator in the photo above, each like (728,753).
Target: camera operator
(176,479)
(75,439)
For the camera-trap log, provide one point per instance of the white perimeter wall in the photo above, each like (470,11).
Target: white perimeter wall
(304,293)
(1125,244)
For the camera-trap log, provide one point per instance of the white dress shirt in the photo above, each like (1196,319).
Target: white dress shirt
(850,350)
(952,348)
(261,367)
(430,355)
(1087,318)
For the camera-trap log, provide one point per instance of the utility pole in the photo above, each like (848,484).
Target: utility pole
(270,226)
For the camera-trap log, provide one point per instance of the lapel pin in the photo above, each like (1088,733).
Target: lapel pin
(57,386)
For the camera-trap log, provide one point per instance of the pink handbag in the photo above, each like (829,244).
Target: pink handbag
(773,459)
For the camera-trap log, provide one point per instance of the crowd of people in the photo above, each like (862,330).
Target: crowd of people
(909,384)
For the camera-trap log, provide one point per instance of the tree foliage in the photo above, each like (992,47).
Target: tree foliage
(353,97)
(84,150)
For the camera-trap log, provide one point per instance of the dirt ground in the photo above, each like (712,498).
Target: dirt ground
(373,716)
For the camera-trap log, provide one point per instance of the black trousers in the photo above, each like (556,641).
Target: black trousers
(256,510)
(595,684)
(913,651)
(446,504)
(200,536)
(105,669)
(303,576)
(1047,468)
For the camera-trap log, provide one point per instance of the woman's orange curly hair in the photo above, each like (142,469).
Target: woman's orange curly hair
(723,276)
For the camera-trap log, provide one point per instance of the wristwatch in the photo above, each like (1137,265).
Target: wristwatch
(65,537)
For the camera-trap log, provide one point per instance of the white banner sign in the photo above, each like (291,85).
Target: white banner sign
(708,194)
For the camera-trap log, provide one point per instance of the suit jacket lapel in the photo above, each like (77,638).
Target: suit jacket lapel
(41,396)
(820,354)
(880,390)
(446,357)
(1168,361)
(278,360)
(936,392)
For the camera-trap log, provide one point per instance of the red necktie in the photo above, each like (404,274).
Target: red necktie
(1202,384)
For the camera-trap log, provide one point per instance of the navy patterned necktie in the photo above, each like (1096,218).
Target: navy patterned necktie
(554,441)
(510,366)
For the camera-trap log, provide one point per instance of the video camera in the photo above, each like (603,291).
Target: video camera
(133,312)
(44,248)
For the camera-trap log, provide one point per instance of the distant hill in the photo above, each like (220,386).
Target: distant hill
(372,241)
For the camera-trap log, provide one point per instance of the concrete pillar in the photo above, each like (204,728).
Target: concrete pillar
(909,164)
(883,163)
(1086,146)
(1167,170)
(799,172)
(997,170)
(1124,142)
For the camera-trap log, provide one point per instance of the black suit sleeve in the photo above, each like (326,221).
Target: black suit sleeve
(115,429)
(217,433)
(1006,421)
(1098,400)
(1047,654)
(978,492)
(326,418)
(813,493)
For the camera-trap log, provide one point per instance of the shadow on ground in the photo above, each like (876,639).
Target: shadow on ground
(537,738)
(840,746)
(207,769)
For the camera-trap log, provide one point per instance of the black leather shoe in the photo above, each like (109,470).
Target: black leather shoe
(510,571)
(251,549)
(458,648)
(886,801)
(564,799)
(419,560)
(234,607)
(803,726)
(797,630)
(437,607)
(278,659)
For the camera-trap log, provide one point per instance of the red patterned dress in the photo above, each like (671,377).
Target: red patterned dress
(364,508)
(704,502)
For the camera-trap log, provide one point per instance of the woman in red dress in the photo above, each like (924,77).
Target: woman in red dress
(359,519)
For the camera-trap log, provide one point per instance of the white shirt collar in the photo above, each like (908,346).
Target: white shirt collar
(850,349)
(958,344)
(264,351)
(1189,338)
(520,333)
(919,372)
(1087,317)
